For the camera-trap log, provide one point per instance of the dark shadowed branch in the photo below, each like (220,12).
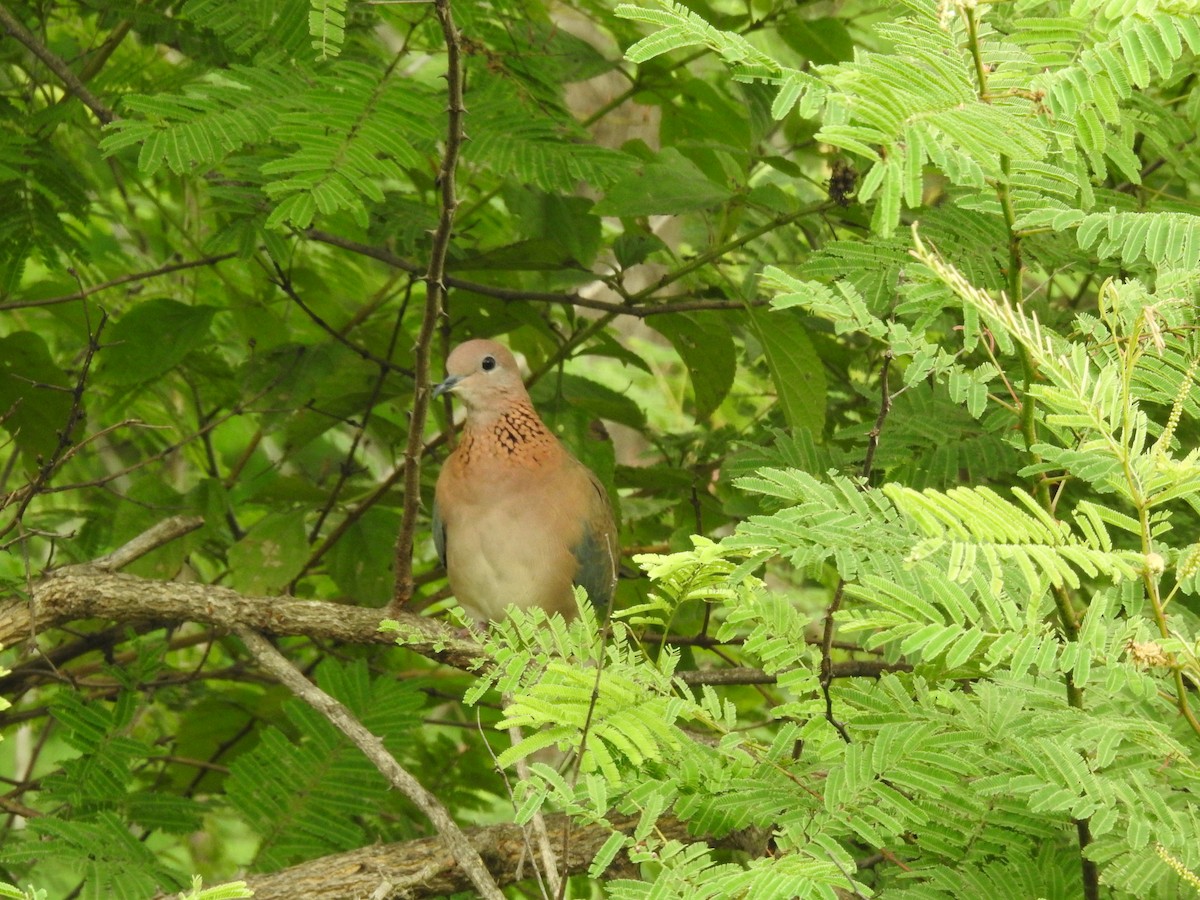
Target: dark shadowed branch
(435,297)
(56,65)
(640,310)
(84,293)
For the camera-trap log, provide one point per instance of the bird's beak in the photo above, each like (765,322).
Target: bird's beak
(445,386)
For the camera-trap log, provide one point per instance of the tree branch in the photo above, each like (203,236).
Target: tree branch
(69,79)
(117,282)
(360,432)
(516,294)
(84,592)
(435,287)
(63,450)
(826,677)
(424,868)
(885,406)
(855,668)
(466,857)
(827,666)
(284,282)
(149,540)
(90,592)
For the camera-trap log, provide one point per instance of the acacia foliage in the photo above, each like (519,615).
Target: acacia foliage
(928,273)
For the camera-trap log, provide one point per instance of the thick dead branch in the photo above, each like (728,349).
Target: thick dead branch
(425,868)
(88,592)
(82,592)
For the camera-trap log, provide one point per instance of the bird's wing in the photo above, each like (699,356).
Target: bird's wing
(439,533)
(596,549)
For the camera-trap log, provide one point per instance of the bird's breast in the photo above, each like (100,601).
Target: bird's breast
(509,539)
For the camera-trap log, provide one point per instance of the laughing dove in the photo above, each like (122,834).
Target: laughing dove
(516,518)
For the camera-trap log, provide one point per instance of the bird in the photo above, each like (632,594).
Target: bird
(516,518)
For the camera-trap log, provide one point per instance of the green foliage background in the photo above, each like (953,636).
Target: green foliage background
(894,305)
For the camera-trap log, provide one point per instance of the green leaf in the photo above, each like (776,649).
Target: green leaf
(522,256)
(823,40)
(35,397)
(302,786)
(630,249)
(153,338)
(102,850)
(270,555)
(578,393)
(670,185)
(565,221)
(361,562)
(795,368)
(327,24)
(157,810)
(149,495)
(234,890)
(705,344)
(606,854)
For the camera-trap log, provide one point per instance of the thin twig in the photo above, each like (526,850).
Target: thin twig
(527,852)
(635,306)
(284,282)
(360,509)
(347,466)
(549,867)
(84,293)
(13,808)
(435,286)
(372,747)
(866,668)
(151,539)
(62,449)
(826,676)
(827,666)
(97,58)
(516,294)
(9,498)
(703,640)
(102,480)
(885,406)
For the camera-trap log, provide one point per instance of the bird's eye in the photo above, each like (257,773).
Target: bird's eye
(489,363)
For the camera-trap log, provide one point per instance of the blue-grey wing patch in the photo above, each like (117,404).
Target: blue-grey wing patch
(596,551)
(595,573)
(439,534)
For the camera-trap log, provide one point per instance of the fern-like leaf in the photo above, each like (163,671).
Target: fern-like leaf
(973,526)
(327,25)
(304,796)
(832,521)
(511,137)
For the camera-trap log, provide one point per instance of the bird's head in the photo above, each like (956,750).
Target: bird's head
(484,374)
